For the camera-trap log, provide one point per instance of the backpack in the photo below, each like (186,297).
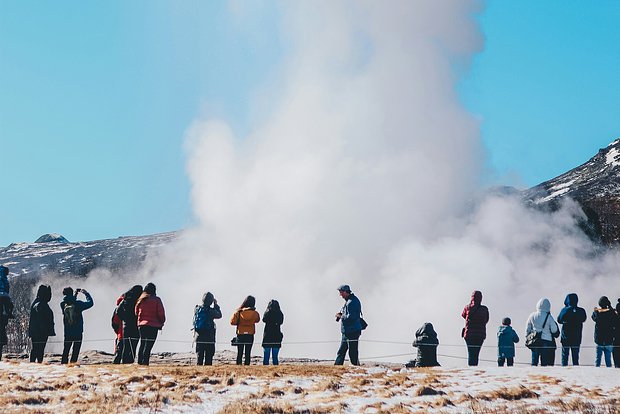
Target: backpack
(71,314)
(200,318)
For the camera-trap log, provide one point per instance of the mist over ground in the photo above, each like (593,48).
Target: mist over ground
(365,170)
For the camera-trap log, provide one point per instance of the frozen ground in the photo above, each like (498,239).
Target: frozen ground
(297,387)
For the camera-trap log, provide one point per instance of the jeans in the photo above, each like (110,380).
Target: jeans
(38,348)
(349,342)
(274,355)
(606,349)
(244,348)
(148,335)
(204,353)
(545,354)
(574,350)
(74,342)
(473,351)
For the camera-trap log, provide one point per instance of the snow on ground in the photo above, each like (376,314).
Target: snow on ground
(306,388)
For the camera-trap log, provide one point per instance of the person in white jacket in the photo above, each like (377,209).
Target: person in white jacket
(550,330)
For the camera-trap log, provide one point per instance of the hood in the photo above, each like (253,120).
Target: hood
(543,305)
(207,299)
(476,297)
(604,302)
(426,330)
(44,293)
(571,299)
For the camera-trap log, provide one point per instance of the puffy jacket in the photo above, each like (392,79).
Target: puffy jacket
(506,340)
(426,341)
(41,320)
(76,329)
(537,318)
(272,336)
(127,313)
(605,320)
(150,311)
(572,318)
(351,314)
(476,317)
(246,320)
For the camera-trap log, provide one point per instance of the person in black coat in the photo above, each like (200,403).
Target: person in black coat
(572,318)
(426,341)
(616,352)
(605,318)
(205,333)
(41,325)
(126,311)
(272,336)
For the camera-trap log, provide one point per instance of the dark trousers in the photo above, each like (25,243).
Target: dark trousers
(148,335)
(545,354)
(118,351)
(509,361)
(130,349)
(244,347)
(473,351)
(38,348)
(616,354)
(204,353)
(572,349)
(74,342)
(349,342)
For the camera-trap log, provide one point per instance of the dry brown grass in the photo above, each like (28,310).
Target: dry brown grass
(257,407)
(510,394)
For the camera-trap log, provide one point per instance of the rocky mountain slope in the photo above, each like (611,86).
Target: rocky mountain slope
(595,185)
(52,253)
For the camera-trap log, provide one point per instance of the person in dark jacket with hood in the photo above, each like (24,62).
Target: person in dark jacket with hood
(272,335)
(506,340)
(426,341)
(126,311)
(605,318)
(204,328)
(73,322)
(616,352)
(476,317)
(571,318)
(41,325)
(350,326)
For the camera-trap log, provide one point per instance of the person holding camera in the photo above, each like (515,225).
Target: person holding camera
(73,321)
(350,326)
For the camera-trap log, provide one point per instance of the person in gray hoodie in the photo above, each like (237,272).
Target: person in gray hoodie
(542,321)
(572,318)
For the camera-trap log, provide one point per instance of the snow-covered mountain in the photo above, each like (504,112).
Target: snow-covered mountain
(595,185)
(52,253)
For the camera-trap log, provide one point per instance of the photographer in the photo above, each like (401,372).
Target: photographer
(73,322)
(350,326)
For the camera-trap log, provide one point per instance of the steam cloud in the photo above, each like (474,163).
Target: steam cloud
(367,171)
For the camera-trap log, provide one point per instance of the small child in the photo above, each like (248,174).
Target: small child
(506,340)
(6,305)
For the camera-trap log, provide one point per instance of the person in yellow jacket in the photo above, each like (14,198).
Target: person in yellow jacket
(245,318)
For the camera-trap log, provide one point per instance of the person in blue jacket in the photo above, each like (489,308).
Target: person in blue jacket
(350,326)
(73,321)
(571,318)
(506,340)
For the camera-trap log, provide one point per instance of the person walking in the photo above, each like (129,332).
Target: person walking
(571,318)
(204,328)
(245,318)
(616,352)
(272,335)
(73,322)
(476,317)
(350,318)
(604,318)
(126,311)
(41,324)
(506,340)
(426,341)
(151,317)
(542,321)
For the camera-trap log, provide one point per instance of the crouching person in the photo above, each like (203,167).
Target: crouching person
(426,341)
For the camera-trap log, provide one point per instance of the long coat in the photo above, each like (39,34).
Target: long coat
(272,335)
(426,341)
(476,317)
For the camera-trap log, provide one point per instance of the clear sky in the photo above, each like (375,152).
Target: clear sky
(95,98)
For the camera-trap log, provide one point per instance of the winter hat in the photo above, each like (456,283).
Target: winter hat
(506,321)
(604,302)
(68,291)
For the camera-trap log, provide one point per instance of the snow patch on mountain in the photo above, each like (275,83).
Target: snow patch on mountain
(613,157)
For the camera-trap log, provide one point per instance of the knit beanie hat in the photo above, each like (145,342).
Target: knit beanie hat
(506,321)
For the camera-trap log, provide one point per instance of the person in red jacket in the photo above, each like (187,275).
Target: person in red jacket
(117,325)
(476,316)
(151,317)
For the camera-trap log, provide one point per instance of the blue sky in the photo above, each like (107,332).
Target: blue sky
(95,98)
